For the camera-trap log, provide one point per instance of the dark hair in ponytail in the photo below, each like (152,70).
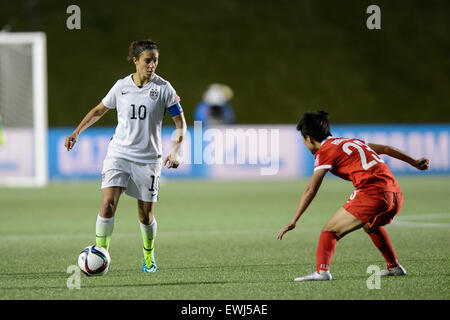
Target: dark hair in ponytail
(137,47)
(315,125)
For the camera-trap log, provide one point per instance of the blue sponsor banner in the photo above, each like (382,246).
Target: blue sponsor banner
(188,169)
(251,152)
(85,160)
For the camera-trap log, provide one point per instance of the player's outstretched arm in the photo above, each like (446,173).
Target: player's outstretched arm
(174,158)
(307,196)
(92,117)
(421,164)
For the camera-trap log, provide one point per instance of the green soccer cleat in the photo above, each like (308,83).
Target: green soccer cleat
(149,264)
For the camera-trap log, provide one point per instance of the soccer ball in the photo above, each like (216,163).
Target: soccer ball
(94,261)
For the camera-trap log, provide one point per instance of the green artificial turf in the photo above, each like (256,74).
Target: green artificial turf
(217,240)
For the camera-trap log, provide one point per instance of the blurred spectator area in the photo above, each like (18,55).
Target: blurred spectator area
(281,58)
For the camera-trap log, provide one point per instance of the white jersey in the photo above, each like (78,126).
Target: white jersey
(139,115)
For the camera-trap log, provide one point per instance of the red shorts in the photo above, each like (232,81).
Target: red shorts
(379,208)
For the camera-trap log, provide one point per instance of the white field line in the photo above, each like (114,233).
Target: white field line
(417,220)
(420,224)
(136,234)
(401,221)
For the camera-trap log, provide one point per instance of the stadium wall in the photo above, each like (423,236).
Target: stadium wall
(249,152)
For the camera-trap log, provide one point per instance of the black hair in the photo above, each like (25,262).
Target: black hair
(315,124)
(137,47)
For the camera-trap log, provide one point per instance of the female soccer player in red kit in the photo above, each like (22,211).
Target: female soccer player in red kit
(376,200)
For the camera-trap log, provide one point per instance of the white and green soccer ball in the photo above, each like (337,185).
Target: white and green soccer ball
(94,261)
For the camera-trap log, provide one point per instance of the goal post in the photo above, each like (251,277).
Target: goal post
(23,109)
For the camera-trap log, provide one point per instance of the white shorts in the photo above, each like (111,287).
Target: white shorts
(139,180)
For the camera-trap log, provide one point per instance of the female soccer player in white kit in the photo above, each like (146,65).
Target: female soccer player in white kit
(134,158)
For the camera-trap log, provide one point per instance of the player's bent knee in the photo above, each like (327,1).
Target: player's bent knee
(145,211)
(107,209)
(338,232)
(330,229)
(146,217)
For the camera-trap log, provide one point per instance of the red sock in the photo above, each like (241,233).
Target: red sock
(325,250)
(381,240)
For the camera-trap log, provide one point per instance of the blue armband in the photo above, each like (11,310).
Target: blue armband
(175,110)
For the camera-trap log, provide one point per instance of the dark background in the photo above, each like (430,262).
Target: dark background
(281,58)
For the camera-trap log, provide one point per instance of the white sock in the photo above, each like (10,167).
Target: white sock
(103,231)
(148,233)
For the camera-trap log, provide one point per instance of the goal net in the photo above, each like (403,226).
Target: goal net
(23,109)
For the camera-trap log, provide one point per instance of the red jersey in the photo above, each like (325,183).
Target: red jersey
(354,160)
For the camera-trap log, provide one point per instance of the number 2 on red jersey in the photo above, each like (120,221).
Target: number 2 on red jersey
(358,145)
